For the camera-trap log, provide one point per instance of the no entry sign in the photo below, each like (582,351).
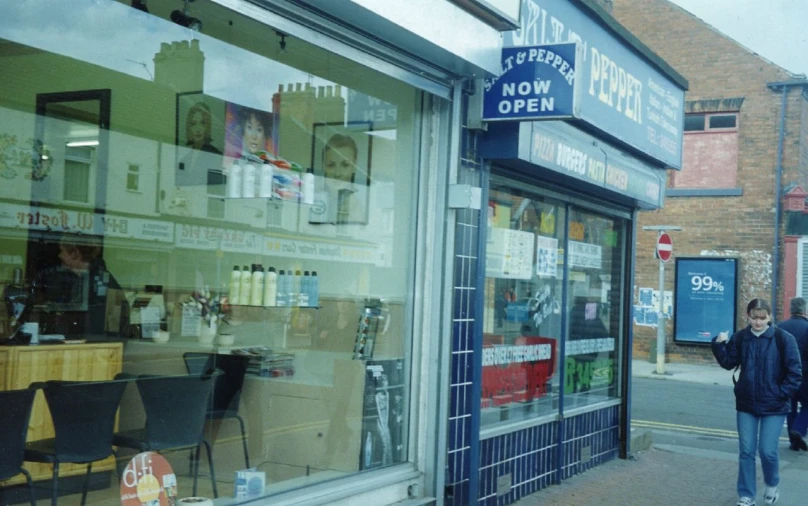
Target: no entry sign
(664,247)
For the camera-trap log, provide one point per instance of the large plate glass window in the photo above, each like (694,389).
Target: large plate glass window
(185,189)
(595,270)
(523,304)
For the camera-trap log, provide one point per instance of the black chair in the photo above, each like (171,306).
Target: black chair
(14,417)
(175,409)
(83,416)
(227,388)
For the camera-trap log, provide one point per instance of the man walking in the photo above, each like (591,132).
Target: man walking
(797,420)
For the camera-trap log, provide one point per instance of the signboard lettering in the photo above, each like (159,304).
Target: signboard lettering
(537,82)
(705,298)
(623,94)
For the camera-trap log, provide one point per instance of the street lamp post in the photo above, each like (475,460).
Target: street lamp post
(660,357)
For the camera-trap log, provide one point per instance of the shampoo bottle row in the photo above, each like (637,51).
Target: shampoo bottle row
(250,180)
(253,287)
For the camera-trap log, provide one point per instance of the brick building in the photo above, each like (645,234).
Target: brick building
(725,197)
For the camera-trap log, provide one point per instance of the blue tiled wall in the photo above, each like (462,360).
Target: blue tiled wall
(530,455)
(462,403)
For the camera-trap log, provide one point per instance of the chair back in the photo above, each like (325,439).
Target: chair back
(83,416)
(227,387)
(175,408)
(15,414)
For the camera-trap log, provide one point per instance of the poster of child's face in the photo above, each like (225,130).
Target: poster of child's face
(200,132)
(250,132)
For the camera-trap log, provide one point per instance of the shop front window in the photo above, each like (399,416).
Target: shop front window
(184,196)
(533,301)
(595,264)
(523,304)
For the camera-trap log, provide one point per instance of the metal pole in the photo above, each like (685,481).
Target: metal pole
(660,332)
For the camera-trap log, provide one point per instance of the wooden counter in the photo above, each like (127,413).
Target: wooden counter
(22,365)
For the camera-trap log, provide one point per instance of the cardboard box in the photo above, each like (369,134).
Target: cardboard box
(249,483)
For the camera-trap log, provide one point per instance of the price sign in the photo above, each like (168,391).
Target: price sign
(706,298)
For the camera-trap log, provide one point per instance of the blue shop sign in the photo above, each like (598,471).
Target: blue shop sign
(622,94)
(705,298)
(559,147)
(537,82)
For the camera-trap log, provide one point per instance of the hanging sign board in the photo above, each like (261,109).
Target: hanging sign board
(537,82)
(706,298)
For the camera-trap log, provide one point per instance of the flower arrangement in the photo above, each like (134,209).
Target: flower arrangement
(213,308)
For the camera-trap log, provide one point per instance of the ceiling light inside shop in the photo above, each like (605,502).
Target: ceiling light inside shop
(77,144)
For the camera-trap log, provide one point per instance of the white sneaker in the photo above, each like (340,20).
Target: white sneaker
(745,501)
(771,495)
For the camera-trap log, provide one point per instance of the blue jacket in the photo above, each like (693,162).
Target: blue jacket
(797,326)
(767,381)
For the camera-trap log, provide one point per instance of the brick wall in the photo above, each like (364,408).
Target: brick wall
(717,67)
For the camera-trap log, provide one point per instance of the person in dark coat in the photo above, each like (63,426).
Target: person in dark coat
(797,420)
(770,374)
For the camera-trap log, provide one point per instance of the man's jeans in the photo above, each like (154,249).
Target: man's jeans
(758,433)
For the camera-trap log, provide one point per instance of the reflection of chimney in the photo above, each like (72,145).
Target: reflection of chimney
(297,109)
(180,66)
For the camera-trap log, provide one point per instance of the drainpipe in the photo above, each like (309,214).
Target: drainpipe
(782,86)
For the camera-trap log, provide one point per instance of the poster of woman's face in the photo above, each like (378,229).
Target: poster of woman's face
(199,137)
(249,132)
(341,159)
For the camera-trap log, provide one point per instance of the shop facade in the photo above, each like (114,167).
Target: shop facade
(541,348)
(264,183)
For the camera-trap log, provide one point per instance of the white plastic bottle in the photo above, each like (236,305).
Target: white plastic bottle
(257,283)
(245,289)
(308,187)
(265,181)
(235,285)
(234,181)
(248,181)
(271,288)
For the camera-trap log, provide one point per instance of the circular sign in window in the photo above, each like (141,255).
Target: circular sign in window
(148,480)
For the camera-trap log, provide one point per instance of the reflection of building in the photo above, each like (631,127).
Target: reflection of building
(724,198)
(304,394)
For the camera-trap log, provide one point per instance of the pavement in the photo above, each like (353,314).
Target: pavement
(667,475)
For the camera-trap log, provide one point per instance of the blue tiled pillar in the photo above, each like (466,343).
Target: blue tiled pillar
(463,445)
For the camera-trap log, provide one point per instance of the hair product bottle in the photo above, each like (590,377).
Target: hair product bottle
(308,187)
(257,283)
(248,181)
(245,290)
(235,284)
(265,181)
(271,288)
(314,290)
(295,289)
(305,289)
(234,181)
(281,295)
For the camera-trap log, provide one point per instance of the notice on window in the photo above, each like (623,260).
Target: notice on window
(546,256)
(509,254)
(585,255)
